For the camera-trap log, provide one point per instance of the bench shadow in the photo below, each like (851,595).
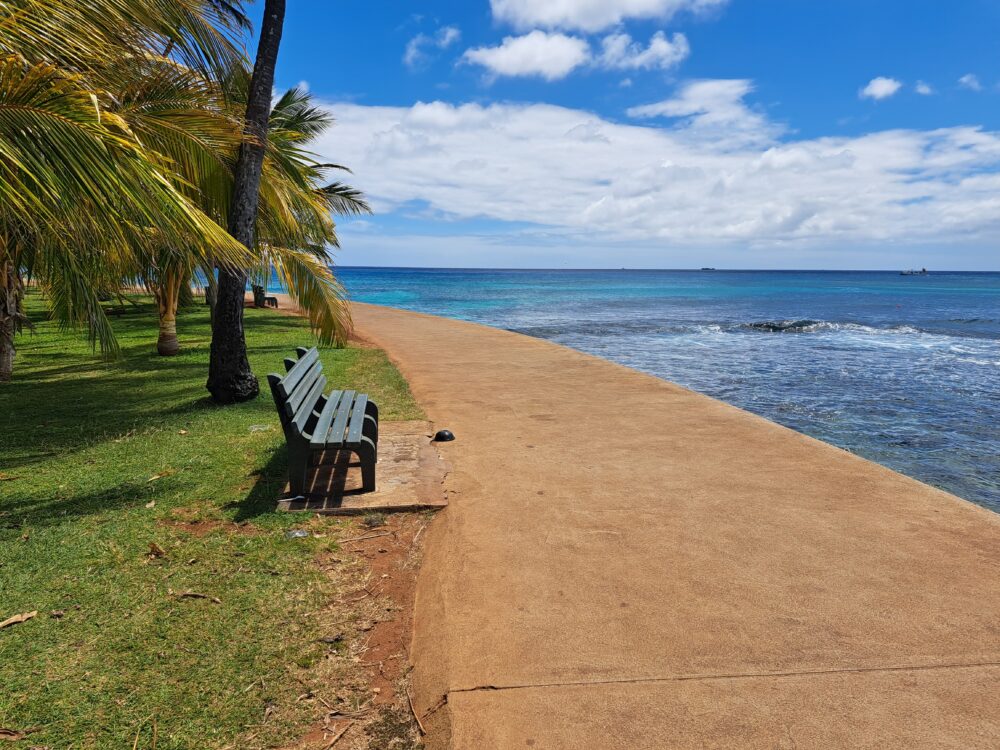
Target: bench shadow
(328,480)
(263,496)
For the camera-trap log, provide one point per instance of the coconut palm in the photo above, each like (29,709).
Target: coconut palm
(230,378)
(120,163)
(187,121)
(80,193)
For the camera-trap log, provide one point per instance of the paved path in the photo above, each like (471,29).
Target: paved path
(627,564)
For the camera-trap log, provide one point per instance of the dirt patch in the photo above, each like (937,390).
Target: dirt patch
(392,555)
(370,628)
(202,527)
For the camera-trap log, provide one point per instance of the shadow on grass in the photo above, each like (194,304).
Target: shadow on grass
(33,511)
(72,400)
(263,497)
(63,414)
(65,399)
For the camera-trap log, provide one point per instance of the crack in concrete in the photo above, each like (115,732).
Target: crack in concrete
(734,676)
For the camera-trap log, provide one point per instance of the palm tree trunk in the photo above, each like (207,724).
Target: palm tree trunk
(10,287)
(211,289)
(167,293)
(230,378)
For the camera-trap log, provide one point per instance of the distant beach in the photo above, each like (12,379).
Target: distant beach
(901,370)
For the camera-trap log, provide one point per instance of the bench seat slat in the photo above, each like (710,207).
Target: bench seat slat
(336,435)
(322,428)
(293,376)
(357,422)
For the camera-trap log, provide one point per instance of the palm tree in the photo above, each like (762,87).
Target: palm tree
(120,159)
(294,225)
(230,378)
(186,118)
(80,194)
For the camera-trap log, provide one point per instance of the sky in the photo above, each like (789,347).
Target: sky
(836,134)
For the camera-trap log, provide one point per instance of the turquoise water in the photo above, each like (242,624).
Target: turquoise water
(903,370)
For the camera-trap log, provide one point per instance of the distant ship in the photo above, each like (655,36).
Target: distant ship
(706,268)
(912,272)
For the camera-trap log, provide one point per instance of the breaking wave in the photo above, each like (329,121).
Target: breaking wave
(655,327)
(813,326)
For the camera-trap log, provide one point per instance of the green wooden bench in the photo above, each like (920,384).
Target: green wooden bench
(313,423)
(261,298)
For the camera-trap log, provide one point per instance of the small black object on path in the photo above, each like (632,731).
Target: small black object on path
(443,436)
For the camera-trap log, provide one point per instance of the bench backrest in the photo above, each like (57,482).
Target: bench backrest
(297,391)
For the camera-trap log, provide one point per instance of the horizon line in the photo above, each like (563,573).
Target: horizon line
(705,269)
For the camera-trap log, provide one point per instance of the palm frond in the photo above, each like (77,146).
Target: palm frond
(344,200)
(62,157)
(83,36)
(311,283)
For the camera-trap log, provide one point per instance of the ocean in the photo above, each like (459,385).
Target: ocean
(903,370)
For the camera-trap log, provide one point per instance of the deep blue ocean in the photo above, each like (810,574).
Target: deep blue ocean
(903,370)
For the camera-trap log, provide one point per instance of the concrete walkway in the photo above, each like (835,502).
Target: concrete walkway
(627,564)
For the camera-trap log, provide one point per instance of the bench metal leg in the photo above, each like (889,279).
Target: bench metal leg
(367,456)
(298,470)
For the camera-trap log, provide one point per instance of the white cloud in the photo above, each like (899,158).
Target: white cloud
(549,56)
(716,109)
(971,82)
(619,52)
(880,88)
(573,175)
(448,36)
(417,48)
(590,15)
(554,56)
(924,89)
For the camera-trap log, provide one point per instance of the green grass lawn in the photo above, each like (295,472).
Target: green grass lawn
(100,460)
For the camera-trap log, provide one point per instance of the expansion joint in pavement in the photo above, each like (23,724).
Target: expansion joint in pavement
(733,676)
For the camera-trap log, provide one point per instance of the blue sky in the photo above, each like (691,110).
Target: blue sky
(661,133)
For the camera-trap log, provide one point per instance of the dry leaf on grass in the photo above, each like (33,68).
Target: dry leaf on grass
(6,478)
(11,734)
(151,504)
(164,473)
(196,595)
(155,550)
(16,619)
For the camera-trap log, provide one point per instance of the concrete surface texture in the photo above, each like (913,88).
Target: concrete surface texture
(410,477)
(627,564)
